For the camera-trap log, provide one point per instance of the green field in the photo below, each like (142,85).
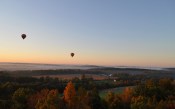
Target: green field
(117,90)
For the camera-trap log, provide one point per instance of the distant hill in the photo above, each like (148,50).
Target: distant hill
(170,69)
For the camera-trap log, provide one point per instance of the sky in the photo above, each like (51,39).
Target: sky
(99,32)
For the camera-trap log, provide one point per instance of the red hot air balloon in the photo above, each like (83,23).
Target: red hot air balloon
(23,36)
(72,54)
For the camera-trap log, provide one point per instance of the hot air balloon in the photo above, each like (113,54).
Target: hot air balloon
(23,36)
(72,54)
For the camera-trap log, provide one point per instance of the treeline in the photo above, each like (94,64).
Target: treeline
(153,94)
(51,72)
(53,83)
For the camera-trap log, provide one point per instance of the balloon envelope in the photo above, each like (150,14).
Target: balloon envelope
(23,36)
(72,54)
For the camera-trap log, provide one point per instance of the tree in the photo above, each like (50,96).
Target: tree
(150,83)
(127,94)
(166,84)
(161,105)
(70,95)
(114,101)
(20,98)
(52,100)
(138,102)
(126,97)
(81,96)
(46,99)
(151,103)
(37,100)
(93,99)
(109,99)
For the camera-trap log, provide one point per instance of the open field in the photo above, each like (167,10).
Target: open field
(117,90)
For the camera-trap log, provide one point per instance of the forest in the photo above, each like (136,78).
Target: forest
(19,90)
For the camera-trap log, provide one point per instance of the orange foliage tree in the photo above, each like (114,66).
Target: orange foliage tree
(46,99)
(37,98)
(70,94)
(127,95)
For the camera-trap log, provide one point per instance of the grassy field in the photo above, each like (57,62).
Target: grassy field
(117,90)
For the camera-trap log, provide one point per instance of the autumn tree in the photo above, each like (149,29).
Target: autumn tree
(126,97)
(109,99)
(166,84)
(150,83)
(46,99)
(38,99)
(127,94)
(81,99)
(138,102)
(52,100)
(70,95)
(114,101)
(20,98)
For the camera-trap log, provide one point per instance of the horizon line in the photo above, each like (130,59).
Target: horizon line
(95,65)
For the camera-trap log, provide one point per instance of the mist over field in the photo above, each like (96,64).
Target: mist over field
(8,66)
(34,66)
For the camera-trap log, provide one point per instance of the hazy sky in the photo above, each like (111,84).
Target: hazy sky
(99,32)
